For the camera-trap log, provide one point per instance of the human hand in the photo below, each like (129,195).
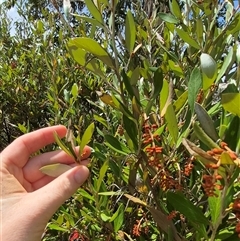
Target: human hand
(28,197)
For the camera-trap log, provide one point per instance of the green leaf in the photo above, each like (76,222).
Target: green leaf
(104,217)
(85,194)
(181,100)
(127,84)
(131,130)
(187,38)
(172,122)
(116,145)
(53,226)
(194,85)
(100,120)
(167,17)
(163,97)
(74,90)
(231,103)
(118,221)
(93,47)
(157,86)
(55,170)
(93,10)
(157,82)
(102,173)
(209,70)
(202,136)
(215,204)
(175,68)
(64,147)
(206,122)
(175,9)
(89,20)
(130,31)
(187,208)
(86,138)
(80,55)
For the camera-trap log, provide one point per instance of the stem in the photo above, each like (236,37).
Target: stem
(116,69)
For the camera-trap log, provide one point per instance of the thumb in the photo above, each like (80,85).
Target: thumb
(50,197)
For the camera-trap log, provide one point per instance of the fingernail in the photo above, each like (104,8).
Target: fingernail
(81,175)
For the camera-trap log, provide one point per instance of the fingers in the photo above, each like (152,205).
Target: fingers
(31,169)
(50,197)
(19,151)
(44,180)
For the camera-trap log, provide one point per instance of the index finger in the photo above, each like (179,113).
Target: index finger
(18,151)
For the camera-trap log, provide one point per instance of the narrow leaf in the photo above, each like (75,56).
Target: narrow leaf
(86,138)
(118,218)
(116,145)
(93,10)
(187,38)
(187,208)
(102,173)
(194,85)
(63,146)
(206,122)
(172,123)
(93,47)
(202,136)
(168,18)
(130,31)
(55,170)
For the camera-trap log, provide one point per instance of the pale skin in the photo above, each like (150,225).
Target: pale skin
(28,197)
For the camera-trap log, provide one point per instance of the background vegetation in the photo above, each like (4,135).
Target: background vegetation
(160,82)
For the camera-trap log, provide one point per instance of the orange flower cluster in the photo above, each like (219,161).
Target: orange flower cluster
(210,185)
(167,182)
(189,166)
(150,139)
(236,210)
(138,229)
(216,152)
(172,215)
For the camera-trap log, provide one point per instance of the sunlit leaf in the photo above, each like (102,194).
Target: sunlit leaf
(93,10)
(93,47)
(187,38)
(63,146)
(209,70)
(231,103)
(101,120)
(130,31)
(102,173)
(86,138)
(74,90)
(175,9)
(226,159)
(172,123)
(55,170)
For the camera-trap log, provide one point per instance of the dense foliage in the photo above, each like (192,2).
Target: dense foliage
(156,87)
